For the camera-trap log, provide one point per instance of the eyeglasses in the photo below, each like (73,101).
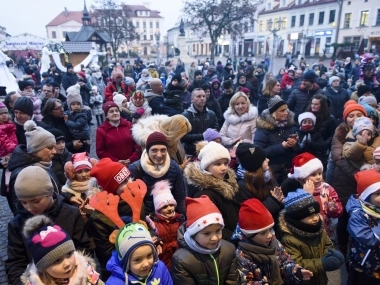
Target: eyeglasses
(57,108)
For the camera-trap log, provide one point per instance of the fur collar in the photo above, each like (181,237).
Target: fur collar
(196,177)
(155,171)
(85,273)
(266,121)
(232,118)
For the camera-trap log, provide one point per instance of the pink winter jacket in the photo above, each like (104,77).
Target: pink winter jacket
(8,139)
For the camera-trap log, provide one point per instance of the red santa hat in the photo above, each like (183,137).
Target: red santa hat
(201,212)
(162,195)
(367,182)
(254,217)
(303,165)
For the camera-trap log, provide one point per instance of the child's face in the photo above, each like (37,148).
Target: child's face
(75,106)
(311,220)
(210,236)
(37,205)
(316,177)
(82,175)
(377,163)
(307,123)
(219,168)
(4,117)
(219,141)
(174,82)
(264,237)
(93,91)
(374,199)
(167,211)
(215,85)
(207,93)
(265,165)
(60,146)
(141,260)
(64,267)
(124,103)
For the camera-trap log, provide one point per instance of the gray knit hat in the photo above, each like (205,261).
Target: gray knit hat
(36,137)
(275,103)
(73,97)
(33,181)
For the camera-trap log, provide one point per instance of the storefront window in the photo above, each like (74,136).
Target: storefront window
(328,42)
(317,45)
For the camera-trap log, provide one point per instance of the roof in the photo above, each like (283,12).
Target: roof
(77,46)
(292,6)
(135,8)
(66,16)
(85,34)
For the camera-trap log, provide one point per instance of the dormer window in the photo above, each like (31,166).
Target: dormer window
(283,3)
(269,6)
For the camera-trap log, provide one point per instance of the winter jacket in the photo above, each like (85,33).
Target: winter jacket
(300,97)
(128,70)
(252,91)
(8,138)
(209,77)
(78,125)
(62,214)
(173,174)
(286,80)
(327,129)
(213,105)
(337,98)
(196,84)
(262,103)
(191,73)
(157,103)
(69,79)
(307,251)
(270,137)
(285,93)
(111,88)
(153,73)
(228,74)
(192,268)
(179,68)
(236,126)
(117,143)
(174,99)
(97,80)
(224,101)
(85,273)
(200,122)
(221,193)
(159,274)
(58,164)
(311,141)
(364,231)
(96,102)
(216,92)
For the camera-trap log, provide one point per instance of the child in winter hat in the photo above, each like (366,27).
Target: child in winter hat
(139,106)
(308,170)
(212,135)
(254,237)
(201,245)
(311,140)
(165,221)
(55,260)
(302,226)
(7,134)
(363,227)
(96,101)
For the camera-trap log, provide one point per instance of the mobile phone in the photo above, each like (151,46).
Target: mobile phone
(293,136)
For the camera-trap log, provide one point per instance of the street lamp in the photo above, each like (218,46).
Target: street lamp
(274,31)
(158,35)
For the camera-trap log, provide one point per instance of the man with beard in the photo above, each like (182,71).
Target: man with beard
(198,81)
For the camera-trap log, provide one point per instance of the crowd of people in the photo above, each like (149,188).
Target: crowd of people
(226,174)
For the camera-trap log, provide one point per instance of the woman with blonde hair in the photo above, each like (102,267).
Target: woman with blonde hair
(271,89)
(240,121)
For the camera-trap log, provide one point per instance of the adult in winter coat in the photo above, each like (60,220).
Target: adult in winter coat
(275,130)
(192,70)
(271,89)
(114,137)
(241,81)
(240,121)
(69,78)
(197,82)
(300,97)
(338,97)
(224,99)
(97,79)
(179,68)
(27,90)
(228,73)
(213,104)
(117,85)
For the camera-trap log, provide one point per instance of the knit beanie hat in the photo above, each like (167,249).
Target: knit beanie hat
(245,90)
(162,195)
(81,161)
(109,174)
(69,65)
(370,100)
(275,103)
(376,153)
(73,97)
(129,81)
(75,89)
(128,239)
(362,123)
(82,74)
(24,104)
(46,242)
(108,105)
(212,152)
(3,108)
(251,156)
(197,72)
(310,76)
(211,68)
(303,165)
(350,106)
(201,212)
(118,99)
(254,217)
(156,138)
(362,89)
(211,135)
(299,204)
(37,138)
(367,182)
(59,136)
(177,77)
(33,181)
(333,78)
(238,77)
(307,115)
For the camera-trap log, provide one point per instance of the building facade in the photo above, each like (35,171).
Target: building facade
(66,21)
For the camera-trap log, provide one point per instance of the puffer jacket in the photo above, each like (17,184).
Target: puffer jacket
(327,129)
(191,267)
(158,105)
(300,97)
(307,251)
(224,101)
(236,126)
(58,164)
(96,102)
(221,193)
(337,98)
(62,214)
(8,138)
(199,122)
(78,125)
(270,137)
(316,145)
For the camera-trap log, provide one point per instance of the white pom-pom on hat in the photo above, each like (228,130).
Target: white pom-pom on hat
(162,195)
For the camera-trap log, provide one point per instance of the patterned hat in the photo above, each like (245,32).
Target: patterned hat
(275,103)
(362,123)
(299,204)
(81,161)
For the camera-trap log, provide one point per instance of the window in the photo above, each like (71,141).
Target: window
(302,20)
(378,18)
(328,42)
(151,25)
(137,25)
(299,2)
(356,42)
(269,6)
(261,26)
(293,21)
(144,25)
(146,13)
(144,37)
(283,3)
(53,34)
(364,18)
(347,40)
(332,16)
(347,20)
(151,37)
(268,25)
(276,23)
(317,45)
(157,25)
(311,19)
(321,18)
(284,23)
(64,34)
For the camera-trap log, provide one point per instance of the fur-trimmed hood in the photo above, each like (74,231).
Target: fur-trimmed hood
(282,223)
(196,177)
(83,275)
(266,121)
(232,118)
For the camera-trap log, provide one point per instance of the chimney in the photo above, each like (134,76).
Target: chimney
(66,12)
(146,4)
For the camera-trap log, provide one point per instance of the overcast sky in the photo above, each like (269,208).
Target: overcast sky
(25,16)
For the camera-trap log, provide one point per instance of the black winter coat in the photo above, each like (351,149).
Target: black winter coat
(224,101)
(62,214)
(69,79)
(252,91)
(262,103)
(338,99)
(58,164)
(327,129)
(316,146)
(213,105)
(196,84)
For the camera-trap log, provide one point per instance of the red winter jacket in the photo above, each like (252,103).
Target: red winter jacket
(111,88)
(117,143)
(286,80)
(8,138)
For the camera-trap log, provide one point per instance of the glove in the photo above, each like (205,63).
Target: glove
(332,261)
(337,254)
(140,111)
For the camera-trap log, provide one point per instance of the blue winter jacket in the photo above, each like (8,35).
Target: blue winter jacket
(78,125)
(158,275)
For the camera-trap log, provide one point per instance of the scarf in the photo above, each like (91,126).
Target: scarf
(281,124)
(267,176)
(78,186)
(197,248)
(156,171)
(370,209)
(240,172)
(304,230)
(43,164)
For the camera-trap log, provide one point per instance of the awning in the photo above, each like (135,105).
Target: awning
(25,42)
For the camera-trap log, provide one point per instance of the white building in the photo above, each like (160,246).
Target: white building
(66,21)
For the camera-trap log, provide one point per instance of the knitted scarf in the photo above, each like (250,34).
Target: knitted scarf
(241,171)
(153,170)
(43,164)
(304,230)
(370,209)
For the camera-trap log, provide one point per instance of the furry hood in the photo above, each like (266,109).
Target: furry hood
(266,121)
(31,277)
(282,223)
(196,177)
(144,127)
(232,118)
